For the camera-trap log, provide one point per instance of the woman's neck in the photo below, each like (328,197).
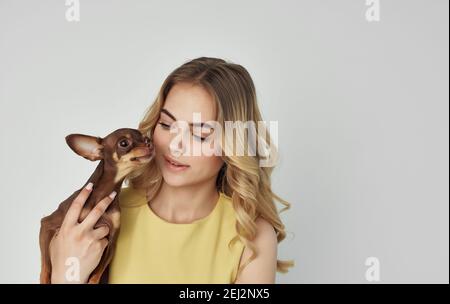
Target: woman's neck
(185,204)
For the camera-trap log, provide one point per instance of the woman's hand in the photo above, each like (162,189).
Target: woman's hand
(78,246)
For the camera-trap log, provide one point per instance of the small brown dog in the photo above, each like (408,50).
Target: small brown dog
(120,153)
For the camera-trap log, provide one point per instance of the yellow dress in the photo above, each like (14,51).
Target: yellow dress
(152,250)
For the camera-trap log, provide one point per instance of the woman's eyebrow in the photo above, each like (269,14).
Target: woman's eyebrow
(191,124)
(168,114)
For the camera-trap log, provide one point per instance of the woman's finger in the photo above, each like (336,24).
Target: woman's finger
(73,214)
(104,242)
(100,232)
(95,214)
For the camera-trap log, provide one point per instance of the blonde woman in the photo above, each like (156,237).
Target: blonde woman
(199,218)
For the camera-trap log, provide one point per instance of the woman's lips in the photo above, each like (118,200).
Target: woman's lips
(173,165)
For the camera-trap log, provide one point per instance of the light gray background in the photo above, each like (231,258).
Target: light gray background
(362,110)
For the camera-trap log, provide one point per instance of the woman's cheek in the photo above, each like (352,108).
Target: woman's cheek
(160,148)
(160,140)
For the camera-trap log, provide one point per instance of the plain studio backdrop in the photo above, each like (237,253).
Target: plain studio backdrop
(362,111)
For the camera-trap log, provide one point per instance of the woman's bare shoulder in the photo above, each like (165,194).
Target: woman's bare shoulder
(263,268)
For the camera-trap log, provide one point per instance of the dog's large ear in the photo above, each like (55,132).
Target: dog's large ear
(89,147)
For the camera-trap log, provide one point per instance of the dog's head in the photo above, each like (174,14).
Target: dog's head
(123,151)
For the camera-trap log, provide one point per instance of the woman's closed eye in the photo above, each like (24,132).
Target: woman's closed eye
(167,127)
(164,125)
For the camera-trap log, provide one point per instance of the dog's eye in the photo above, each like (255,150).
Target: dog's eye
(123,143)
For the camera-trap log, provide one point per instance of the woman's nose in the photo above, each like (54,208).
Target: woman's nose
(177,146)
(176,149)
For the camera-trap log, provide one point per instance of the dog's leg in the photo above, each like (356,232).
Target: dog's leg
(105,276)
(45,236)
(45,277)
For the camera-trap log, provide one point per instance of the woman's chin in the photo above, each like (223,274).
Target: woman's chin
(176,181)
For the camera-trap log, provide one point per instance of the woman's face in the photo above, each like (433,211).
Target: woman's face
(181,103)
